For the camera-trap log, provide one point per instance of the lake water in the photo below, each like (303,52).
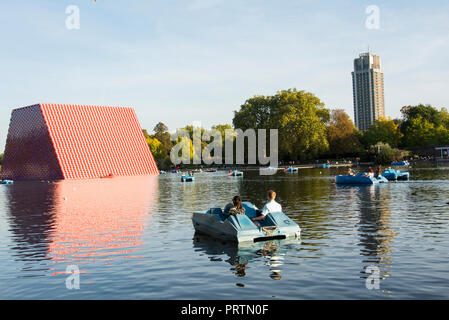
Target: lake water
(132,238)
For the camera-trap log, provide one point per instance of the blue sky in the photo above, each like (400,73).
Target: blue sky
(199,60)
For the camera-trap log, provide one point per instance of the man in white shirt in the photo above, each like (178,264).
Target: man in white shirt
(270,206)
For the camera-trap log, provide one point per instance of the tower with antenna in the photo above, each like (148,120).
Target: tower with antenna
(368,90)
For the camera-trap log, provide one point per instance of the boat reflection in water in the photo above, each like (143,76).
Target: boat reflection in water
(79,221)
(271,253)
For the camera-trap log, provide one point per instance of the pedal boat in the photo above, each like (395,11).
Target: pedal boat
(240,229)
(360,178)
(236,173)
(400,163)
(393,175)
(187,178)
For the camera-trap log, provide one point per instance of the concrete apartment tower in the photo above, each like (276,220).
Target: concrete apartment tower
(368,90)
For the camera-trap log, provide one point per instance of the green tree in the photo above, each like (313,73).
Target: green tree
(442,135)
(426,112)
(161,133)
(383,130)
(342,135)
(160,129)
(157,149)
(419,132)
(424,125)
(383,153)
(184,143)
(298,115)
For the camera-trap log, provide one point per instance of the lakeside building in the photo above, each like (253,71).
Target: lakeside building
(58,142)
(368,90)
(442,153)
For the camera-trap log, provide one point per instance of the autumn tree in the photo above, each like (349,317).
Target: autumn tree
(341,134)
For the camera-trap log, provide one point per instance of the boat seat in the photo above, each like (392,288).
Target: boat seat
(250,210)
(219,212)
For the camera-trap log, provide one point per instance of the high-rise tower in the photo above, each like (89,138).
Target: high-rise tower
(368,90)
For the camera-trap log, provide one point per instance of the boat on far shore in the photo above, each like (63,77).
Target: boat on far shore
(323,166)
(291,170)
(235,173)
(400,163)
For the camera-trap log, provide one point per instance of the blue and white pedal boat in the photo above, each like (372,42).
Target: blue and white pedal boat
(187,178)
(360,178)
(239,228)
(236,173)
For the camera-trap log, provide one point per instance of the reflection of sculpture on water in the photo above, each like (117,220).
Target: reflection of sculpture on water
(80,220)
(31,217)
(240,256)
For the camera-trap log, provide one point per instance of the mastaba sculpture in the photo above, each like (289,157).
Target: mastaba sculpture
(55,142)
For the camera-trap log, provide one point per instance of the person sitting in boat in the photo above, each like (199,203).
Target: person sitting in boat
(236,207)
(350,172)
(378,171)
(270,206)
(370,173)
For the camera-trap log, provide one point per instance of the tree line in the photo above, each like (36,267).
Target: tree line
(310,131)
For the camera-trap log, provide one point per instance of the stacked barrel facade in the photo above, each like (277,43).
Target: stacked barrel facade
(53,142)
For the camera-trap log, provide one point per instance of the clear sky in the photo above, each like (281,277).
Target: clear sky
(199,60)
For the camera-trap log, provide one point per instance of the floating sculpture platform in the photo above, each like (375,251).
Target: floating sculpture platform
(55,142)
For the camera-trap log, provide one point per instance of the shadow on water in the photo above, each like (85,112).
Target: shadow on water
(78,221)
(240,256)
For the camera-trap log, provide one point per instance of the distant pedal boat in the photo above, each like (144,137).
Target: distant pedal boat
(239,228)
(394,175)
(236,173)
(400,163)
(6,182)
(361,178)
(187,178)
(269,169)
(291,170)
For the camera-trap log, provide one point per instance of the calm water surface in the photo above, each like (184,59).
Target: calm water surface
(132,238)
